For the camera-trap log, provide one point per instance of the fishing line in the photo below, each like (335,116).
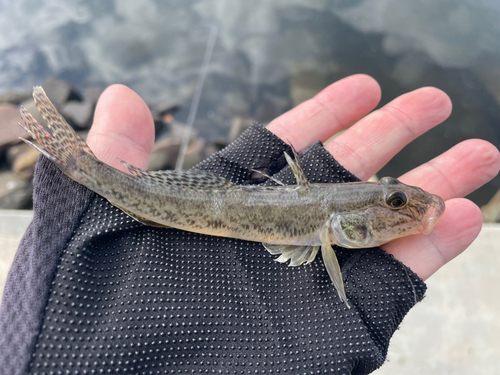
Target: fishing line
(193,109)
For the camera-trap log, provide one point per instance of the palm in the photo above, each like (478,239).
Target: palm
(123,127)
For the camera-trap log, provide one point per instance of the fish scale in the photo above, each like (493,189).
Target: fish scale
(292,221)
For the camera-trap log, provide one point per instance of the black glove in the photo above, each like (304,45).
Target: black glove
(91,290)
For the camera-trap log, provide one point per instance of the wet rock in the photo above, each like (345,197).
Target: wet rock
(491,211)
(79,113)
(15,150)
(15,192)
(166,149)
(160,128)
(93,93)
(238,126)
(60,91)
(163,116)
(219,143)
(194,153)
(236,103)
(211,148)
(164,154)
(165,107)
(31,108)
(15,98)
(272,105)
(10,131)
(305,84)
(167,118)
(83,134)
(176,129)
(22,159)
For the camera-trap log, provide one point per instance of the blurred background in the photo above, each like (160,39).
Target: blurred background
(262,58)
(268,56)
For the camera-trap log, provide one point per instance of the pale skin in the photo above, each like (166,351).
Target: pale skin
(123,128)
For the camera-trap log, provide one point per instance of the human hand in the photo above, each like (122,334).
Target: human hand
(123,127)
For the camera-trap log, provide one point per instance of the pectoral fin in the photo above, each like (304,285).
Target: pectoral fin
(297,255)
(332,265)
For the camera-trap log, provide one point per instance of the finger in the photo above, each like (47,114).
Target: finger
(335,108)
(368,145)
(424,255)
(123,128)
(457,172)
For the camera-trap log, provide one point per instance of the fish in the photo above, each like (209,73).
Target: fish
(292,222)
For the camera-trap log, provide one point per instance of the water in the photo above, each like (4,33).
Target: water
(269,55)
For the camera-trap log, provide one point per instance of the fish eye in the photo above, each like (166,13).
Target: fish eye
(396,199)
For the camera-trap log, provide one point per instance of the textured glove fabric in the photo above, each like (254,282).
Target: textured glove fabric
(93,291)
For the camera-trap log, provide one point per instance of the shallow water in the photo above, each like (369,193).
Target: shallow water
(268,56)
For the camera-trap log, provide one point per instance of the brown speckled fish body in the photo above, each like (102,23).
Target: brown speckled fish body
(293,221)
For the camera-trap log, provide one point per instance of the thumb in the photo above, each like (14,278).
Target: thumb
(123,128)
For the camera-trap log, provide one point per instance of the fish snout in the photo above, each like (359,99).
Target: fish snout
(432,215)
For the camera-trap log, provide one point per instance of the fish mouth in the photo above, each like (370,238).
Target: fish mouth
(432,216)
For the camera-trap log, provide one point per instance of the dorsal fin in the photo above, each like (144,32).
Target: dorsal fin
(268,176)
(192,179)
(297,170)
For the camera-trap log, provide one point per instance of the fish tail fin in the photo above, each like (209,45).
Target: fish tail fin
(60,143)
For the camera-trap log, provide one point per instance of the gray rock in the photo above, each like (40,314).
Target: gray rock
(163,115)
(13,224)
(79,113)
(176,130)
(491,211)
(164,154)
(93,93)
(164,107)
(238,126)
(15,192)
(15,98)
(218,143)
(236,103)
(31,108)
(305,84)
(194,153)
(10,131)
(60,91)
(271,106)
(166,149)
(22,159)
